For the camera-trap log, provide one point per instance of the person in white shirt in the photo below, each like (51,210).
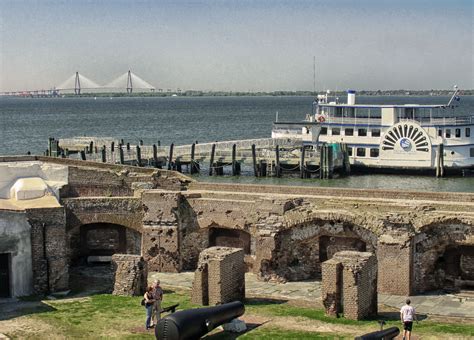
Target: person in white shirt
(407,316)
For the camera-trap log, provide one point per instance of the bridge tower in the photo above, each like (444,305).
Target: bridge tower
(77,84)
(129,82)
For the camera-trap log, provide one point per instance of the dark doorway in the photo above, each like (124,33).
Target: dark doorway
(229,238)
(4,275)
(329,245)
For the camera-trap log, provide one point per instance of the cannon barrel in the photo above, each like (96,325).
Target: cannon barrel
(384,334)
(194,323)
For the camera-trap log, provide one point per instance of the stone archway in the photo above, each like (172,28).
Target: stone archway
(299,250)
(444,256)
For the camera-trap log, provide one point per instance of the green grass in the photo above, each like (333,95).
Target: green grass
(109,316)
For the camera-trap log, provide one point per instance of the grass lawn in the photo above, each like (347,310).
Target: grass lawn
(108,316)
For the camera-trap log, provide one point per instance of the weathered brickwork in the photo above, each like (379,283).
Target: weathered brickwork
(395,264)
(219,277)
(422,241)
(349,285)
(49,249)
(130,272)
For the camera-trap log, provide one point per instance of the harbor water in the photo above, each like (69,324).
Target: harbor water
(27,123)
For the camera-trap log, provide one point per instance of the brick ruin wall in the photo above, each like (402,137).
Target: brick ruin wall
(284,237)
(130,274)
(220,276)
(349,285)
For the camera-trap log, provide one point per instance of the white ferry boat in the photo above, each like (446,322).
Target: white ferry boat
(390,137)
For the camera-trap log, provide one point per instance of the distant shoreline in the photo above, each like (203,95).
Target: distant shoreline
(192,93)
(417,93)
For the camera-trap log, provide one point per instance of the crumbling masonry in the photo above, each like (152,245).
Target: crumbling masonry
(219,277)
(422,240)
(349,285)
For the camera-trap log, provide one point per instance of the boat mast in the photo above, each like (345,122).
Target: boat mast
(454,96)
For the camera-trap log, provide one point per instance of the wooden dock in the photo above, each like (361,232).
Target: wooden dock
(262,157)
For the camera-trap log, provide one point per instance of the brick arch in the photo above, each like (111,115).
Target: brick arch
(443,254)
(102,239)
(298,249)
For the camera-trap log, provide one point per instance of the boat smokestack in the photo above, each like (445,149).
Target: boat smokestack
(351,97)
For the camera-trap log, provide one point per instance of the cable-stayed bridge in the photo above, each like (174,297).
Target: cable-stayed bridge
(78,83)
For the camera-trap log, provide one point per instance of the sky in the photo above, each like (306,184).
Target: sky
(239,45)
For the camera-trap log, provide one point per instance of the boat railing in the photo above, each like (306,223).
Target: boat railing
(463,120)
(352,120)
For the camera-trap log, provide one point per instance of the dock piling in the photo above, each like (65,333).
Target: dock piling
(234,152)
(211,163)
(254,160)
(104,154)
(170,158)
(277,161)
(139,156)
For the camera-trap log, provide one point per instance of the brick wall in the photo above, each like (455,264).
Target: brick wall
(349,285)
(395,264)
(130,272)
(225,280)
(49,249)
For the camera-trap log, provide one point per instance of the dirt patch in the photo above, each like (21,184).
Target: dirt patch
(26,327)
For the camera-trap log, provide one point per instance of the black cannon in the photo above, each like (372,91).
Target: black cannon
(194,323)
(384,334)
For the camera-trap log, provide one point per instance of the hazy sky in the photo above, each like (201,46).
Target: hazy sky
(239,45)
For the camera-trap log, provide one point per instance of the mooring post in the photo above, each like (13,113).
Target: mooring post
(440,161)
(211,163)
(192,169)
(83,155)
(91,146)
(139,156)
(128,146)
(330,161)
(178,165)
(277,161)
(254,160)
(234,154)
(302,175)
(112,147)
(263,168)
(104,154)
(155,156)
(122,159)
(170,158)
(322,156)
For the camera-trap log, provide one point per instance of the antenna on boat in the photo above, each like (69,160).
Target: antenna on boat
(314,74)
(454,96)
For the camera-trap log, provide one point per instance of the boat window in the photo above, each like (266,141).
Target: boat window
(410,113)
(448,133)
(324,130)
(361,152)
(338,112)
(468,132)
(374,152)
(362,132)
(375,112)
(349,112)
(440,132)
(362,112)
(471,152)
(376,133)
(457,133)
(336,131)
(349,132)
(349,151)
